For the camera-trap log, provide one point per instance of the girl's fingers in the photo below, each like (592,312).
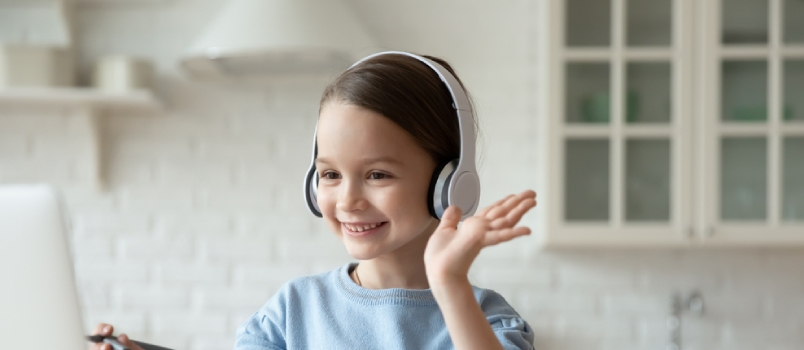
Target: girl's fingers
(500,223)
(123,338)
(451,217)
(513,216)
(104,329)
(523,207)
(504,235)
(483,212)
(510,203)
(502,208)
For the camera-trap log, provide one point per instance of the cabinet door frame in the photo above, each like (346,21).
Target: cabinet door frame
(710,228)
(616,232)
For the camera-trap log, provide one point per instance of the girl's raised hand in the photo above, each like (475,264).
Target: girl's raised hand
(451,250)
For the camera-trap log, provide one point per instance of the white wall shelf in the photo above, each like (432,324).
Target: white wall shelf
(90,106)
(113,2)
(138,101)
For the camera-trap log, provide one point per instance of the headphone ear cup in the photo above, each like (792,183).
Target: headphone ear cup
(437,194)
(311,191)
(315,186)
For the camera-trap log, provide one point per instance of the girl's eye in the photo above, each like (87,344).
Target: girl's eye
(377,176)
(329,175)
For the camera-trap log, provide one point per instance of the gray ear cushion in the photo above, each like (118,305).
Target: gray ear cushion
(437,194)
(311,191)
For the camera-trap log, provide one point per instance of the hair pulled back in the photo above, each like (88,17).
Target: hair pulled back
(407,92)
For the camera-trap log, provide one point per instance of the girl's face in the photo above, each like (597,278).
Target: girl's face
(373,180)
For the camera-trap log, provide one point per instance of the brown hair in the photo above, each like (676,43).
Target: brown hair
(407,92)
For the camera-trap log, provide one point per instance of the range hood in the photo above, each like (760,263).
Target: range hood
(268,37)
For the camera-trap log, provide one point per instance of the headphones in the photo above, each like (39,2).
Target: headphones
(454,182)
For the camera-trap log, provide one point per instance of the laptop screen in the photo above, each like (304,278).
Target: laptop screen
(39,306)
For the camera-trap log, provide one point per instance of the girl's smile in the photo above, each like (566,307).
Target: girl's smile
(361,229)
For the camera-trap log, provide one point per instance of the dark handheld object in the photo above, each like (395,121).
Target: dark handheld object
(118,346)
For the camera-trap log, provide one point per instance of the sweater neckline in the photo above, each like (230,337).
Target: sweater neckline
(389,296)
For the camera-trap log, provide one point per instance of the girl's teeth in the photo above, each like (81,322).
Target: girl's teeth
(362,228)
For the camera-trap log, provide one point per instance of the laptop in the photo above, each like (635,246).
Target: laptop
(39,306)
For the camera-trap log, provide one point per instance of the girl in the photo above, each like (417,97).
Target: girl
(384,127)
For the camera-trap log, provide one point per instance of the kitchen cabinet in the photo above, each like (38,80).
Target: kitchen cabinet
(674,123)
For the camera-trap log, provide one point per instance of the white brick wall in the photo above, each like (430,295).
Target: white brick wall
(203,219)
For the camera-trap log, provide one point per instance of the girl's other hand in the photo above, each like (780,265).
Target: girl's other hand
(451,250)
(107,330)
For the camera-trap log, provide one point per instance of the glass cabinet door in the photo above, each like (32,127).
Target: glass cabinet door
(621,137)
(588,97)
(588,23)
(647,160)
(743,181)
(792,149)
(745,22)
(793,179)
(793,76)
(759,179)
(744,90)
(587,168)
(649,23)
(793,32)
(676,122)
(648,180)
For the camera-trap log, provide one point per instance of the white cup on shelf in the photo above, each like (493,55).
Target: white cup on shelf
(120,74)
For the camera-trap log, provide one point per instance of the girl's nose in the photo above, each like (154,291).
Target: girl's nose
(351,198)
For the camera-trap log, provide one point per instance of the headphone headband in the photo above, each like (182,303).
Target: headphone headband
(460,102)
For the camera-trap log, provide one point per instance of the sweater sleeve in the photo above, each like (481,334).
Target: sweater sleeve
(265,330)
(258,333)
(511,329)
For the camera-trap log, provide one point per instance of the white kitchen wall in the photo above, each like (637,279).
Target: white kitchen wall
(203,217)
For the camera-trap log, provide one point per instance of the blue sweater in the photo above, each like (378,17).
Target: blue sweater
(330,311)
